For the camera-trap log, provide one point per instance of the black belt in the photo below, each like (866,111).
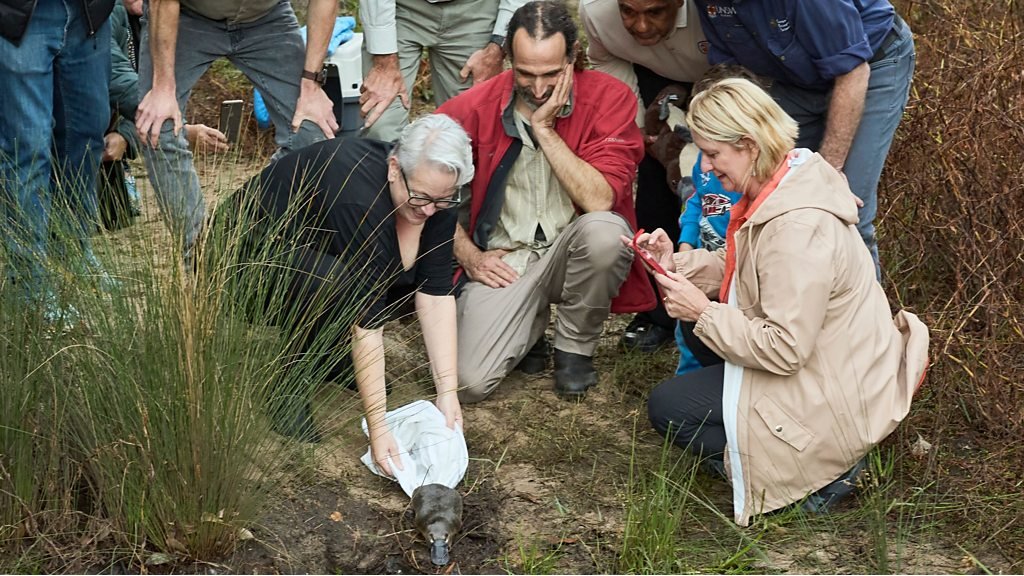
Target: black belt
(890,39)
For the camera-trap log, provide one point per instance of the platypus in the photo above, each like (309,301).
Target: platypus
(438,511)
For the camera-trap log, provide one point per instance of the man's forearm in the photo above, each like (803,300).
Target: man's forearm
(463,247)
(163,41)
(586,186)
(319,27)
(844,114)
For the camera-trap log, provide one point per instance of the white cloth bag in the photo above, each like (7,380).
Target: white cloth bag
(431,453)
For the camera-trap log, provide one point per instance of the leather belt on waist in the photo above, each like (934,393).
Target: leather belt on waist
(890,39)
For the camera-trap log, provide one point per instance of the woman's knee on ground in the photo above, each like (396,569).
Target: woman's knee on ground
(671,419)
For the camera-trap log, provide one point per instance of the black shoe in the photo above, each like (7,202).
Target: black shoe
(714,467)
(293,417)
(536,359)
(574,374)
(821,502)
(644,336)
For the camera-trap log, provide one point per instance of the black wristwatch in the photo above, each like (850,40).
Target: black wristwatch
(499,40)
(317,77)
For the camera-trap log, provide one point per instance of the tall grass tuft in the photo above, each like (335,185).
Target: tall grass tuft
(36,473)
(151,411)
(182,372)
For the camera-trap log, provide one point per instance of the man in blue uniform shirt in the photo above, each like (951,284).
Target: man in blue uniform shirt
(841,68)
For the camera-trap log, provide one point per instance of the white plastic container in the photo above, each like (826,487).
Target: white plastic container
(344,77)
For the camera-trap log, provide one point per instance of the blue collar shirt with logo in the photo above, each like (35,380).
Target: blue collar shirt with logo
(806,43)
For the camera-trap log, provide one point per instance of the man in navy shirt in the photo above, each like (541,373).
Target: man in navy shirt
(840,68)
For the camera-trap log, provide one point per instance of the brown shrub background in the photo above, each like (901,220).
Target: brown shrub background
(952,246)
(952,201)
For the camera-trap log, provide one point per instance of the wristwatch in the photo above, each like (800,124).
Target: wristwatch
(317,77)
(499,40)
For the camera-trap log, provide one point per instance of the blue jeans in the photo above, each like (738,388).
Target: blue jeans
(53,112)
(888,91)
(271,54)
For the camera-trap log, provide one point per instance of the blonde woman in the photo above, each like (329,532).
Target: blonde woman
(812,370)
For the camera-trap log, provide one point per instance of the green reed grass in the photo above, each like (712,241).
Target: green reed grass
(150,414)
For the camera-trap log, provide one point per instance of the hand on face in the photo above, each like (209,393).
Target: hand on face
(545,114)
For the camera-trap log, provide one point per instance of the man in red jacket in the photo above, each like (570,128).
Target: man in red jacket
(555,151)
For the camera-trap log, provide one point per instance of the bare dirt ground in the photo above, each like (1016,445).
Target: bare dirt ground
(548,481)
(547,486)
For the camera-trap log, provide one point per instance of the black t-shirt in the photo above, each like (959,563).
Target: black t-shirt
(337,204)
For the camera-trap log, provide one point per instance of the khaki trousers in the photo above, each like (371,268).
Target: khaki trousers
(451,32)
(581,273)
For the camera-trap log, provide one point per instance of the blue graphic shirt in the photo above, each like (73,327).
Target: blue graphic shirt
(806,43)
(705,216)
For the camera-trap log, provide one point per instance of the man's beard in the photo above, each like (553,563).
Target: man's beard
(526,95)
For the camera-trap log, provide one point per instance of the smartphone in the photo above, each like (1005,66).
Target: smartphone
(645,255)
(231,119)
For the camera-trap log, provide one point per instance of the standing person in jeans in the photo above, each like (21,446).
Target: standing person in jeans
(650,45)
(841,69)
(118,197)
(180,40)
(464,40)
(54,61)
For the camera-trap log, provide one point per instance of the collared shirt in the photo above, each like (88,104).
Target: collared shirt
(799,42)
(232,11)
(681,57)
(381,32)
(537,207)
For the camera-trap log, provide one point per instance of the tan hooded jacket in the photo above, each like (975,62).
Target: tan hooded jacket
(817,371)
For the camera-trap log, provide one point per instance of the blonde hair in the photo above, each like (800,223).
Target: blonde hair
(733,109)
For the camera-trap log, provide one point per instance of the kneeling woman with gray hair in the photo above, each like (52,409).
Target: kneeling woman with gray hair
(350,220)
(805,368)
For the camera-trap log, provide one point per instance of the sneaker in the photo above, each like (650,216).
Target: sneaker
(644,336)
(821,502)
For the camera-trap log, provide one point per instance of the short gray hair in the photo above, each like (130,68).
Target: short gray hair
(438,141)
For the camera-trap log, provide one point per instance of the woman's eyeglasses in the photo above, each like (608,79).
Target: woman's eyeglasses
(420,200)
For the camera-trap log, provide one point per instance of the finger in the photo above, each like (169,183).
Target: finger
(395,458)
(154,135)
(373,114)
(382,465)
(404,95)
(505,272)
(490,280)
(464,73)
(326,128)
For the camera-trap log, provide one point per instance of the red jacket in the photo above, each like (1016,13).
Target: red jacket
(601,130)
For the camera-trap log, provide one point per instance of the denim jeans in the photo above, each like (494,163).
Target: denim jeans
(53,113)
(887,94)
(271,54)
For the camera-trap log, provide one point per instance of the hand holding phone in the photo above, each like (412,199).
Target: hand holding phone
(646,256)
(231,119)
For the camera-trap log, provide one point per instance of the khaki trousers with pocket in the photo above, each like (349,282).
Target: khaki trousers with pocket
(580,273)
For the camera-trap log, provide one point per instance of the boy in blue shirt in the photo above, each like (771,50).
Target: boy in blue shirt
(702,224)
